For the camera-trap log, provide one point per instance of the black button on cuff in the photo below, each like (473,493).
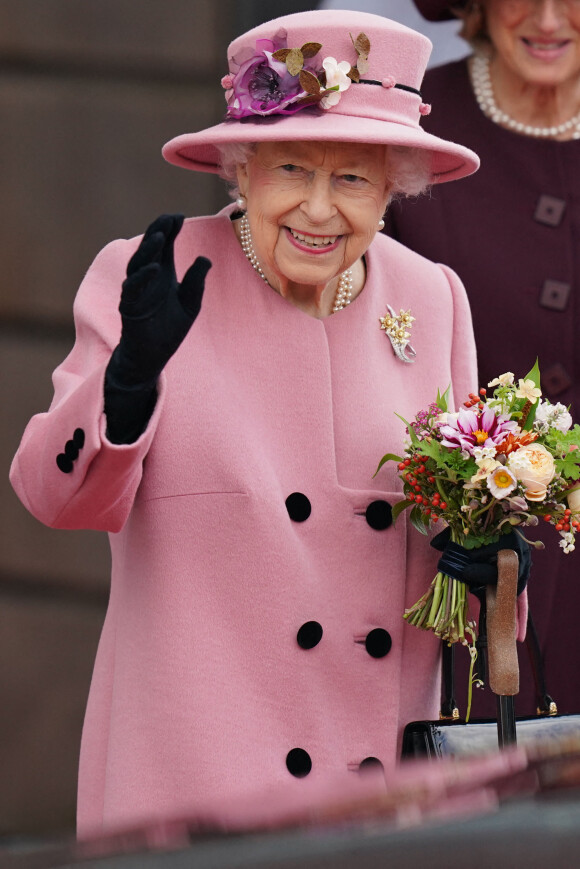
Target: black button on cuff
(378,643)
(71,450)
(79,438)
(298,506)
(298,762)
(64,463)
(309,635)
(379,515)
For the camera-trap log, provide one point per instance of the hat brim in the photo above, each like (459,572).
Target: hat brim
(198,151)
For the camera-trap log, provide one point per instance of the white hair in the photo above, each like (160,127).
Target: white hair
(409,169)
(232,155)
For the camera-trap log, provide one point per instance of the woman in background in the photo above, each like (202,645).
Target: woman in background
(512,233)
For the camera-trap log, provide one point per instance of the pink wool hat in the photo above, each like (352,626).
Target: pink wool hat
(325,76)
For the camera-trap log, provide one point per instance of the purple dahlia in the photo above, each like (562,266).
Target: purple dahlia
(262,85)
(476,429)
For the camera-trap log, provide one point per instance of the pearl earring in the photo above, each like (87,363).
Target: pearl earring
(241,202)
(381,224)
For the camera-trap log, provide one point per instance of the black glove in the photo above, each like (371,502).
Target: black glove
(157,313)
(477,568)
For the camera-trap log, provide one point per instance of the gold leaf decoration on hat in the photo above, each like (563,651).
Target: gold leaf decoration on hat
(312,85)
(362,46)
(310,49)
(362,65)
(294,61)
(309,82)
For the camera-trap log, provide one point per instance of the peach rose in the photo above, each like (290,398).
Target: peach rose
(534,467)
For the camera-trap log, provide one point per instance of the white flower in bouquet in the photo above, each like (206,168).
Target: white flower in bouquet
(485,467)
(519,461)
(567,542)
(501,482)
(527,389)
(481,453)
(552,415)
(506,379)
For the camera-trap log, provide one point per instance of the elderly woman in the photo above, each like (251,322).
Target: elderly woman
(511,232)
(254,635)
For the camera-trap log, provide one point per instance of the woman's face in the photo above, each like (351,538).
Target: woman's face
(538,40)
(314,208)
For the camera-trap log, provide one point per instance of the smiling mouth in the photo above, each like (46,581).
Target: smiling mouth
(556,45)
(314,241)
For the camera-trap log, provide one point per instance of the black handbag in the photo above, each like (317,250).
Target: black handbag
(451,736)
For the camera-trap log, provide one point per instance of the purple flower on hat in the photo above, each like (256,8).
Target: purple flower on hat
(263,85)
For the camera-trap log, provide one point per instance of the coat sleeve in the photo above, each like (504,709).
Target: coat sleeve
(66,472)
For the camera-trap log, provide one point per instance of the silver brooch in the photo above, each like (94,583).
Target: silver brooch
(397,329)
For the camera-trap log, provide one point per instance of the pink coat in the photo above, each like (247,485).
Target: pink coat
(250,640)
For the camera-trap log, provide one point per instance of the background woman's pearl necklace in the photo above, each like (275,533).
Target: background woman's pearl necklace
(343,291)
(482,87)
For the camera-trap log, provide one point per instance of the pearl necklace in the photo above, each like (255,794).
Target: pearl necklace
(483,90)
(343,291)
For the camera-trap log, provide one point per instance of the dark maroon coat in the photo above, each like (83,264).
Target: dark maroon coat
(512,233)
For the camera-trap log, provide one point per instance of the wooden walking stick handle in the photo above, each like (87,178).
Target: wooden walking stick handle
(503,670)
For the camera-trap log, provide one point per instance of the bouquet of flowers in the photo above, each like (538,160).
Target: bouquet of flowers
(504,460)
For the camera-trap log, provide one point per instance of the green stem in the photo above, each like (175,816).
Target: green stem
(436,600)
(470,687)
(473,655)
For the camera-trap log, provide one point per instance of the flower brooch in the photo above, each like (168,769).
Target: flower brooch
(396,328)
